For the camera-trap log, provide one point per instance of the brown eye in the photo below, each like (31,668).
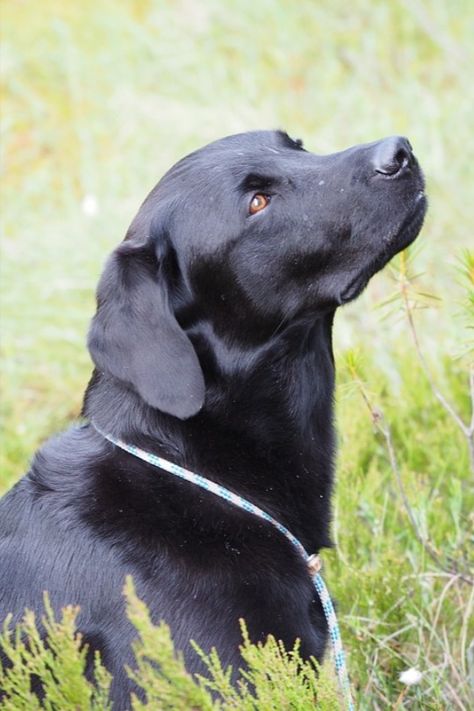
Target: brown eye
(258,202)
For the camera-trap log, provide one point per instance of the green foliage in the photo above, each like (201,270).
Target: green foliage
(159,671)
(274,679)
(59,663)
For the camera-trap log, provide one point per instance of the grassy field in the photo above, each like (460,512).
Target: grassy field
(101,97)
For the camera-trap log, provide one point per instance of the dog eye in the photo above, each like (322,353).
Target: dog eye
(258,203)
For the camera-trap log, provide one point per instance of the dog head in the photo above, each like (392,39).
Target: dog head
(248,233)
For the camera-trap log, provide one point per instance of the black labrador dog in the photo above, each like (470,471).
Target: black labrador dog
(212,348)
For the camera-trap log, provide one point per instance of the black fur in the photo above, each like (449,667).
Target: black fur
(212,346)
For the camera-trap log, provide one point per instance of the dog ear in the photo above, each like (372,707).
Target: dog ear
(136,338)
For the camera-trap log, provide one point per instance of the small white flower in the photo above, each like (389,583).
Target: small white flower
(90,205)
(410,677)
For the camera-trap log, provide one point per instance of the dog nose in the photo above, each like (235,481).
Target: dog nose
(393,156)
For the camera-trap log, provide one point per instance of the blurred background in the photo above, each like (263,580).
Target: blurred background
(100,98)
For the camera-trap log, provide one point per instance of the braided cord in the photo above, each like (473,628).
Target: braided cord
(240,502)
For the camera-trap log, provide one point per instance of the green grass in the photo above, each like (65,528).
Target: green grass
(101,97)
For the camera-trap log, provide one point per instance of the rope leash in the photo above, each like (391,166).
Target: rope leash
(312,561)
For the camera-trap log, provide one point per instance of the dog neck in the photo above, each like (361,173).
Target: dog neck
(267,409)
(286,384)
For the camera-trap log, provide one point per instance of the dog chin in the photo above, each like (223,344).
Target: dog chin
(411,226)
(404,237)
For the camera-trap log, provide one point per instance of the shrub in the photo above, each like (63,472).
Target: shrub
(274,679)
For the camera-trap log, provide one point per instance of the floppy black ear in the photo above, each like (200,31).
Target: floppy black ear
(135,337)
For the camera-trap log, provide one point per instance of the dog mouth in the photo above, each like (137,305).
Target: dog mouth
(392,245)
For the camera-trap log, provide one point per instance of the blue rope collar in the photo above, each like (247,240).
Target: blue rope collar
(313,562)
